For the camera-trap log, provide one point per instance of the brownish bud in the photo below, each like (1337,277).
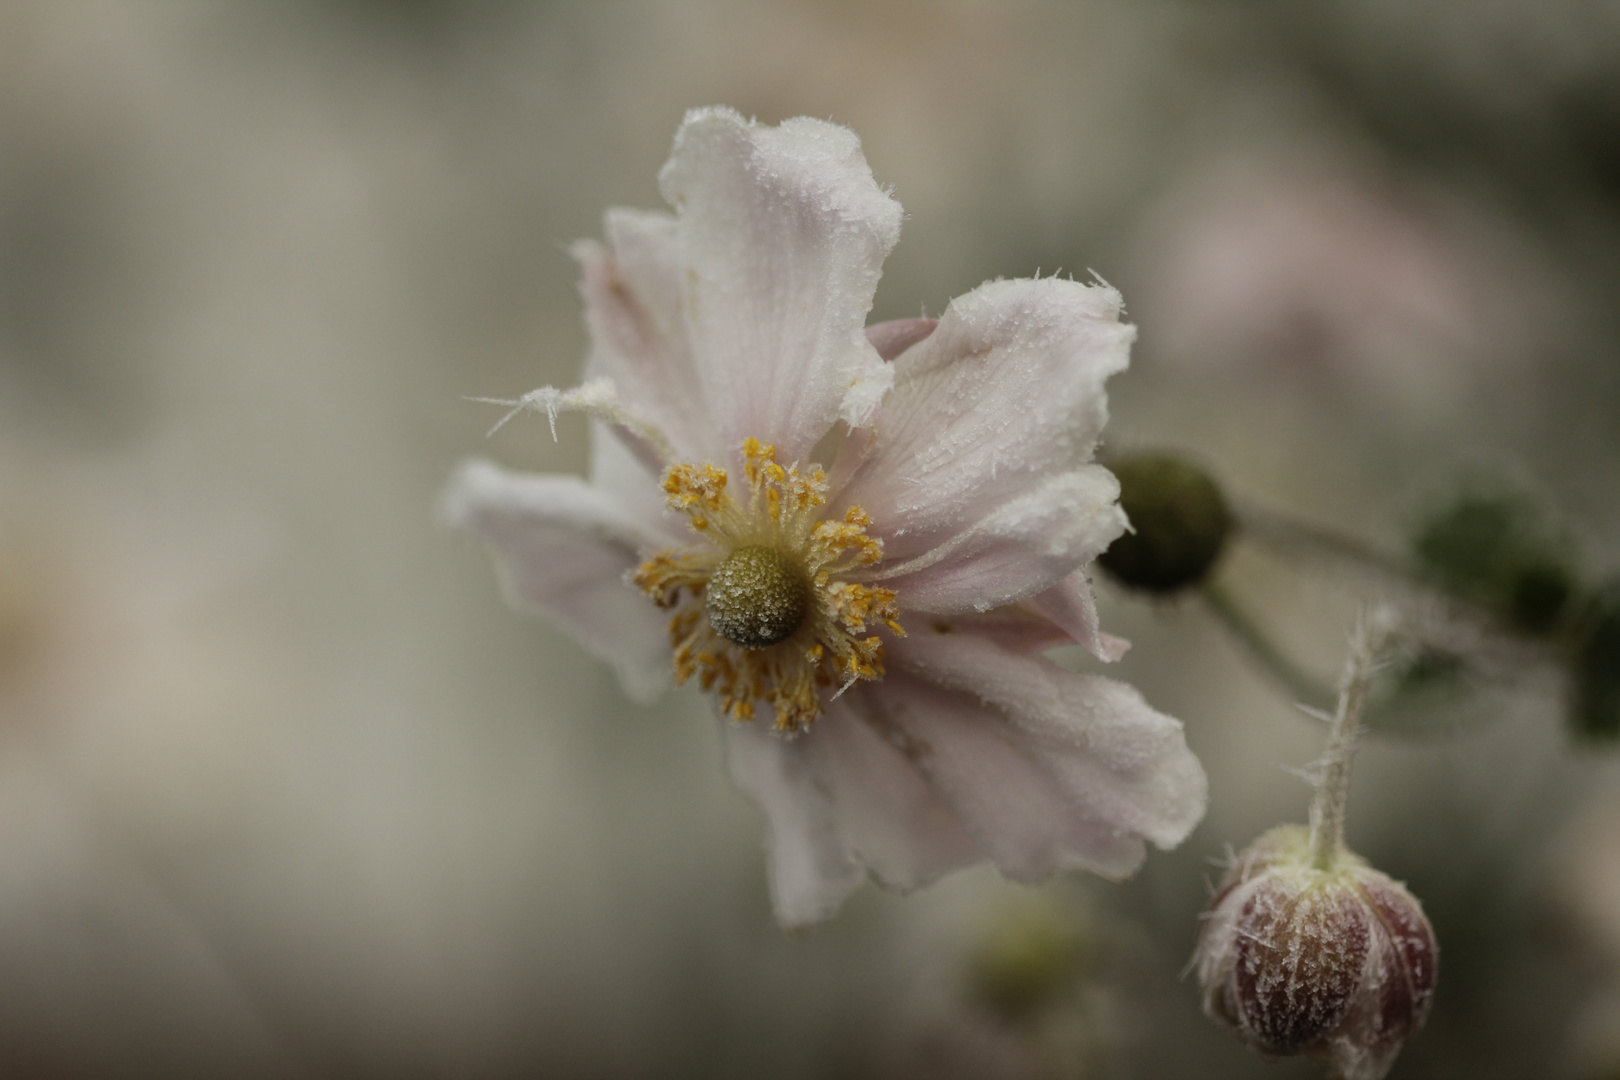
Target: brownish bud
(1337,962)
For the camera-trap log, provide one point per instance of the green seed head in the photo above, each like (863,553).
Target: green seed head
(756,597)
(1181,521)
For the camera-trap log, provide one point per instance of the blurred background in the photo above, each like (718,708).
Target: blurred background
(286,791)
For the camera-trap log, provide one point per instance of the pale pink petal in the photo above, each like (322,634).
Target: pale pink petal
(841,800)
(894,337)
(562,549)
(1004,394)
(811,869)
(1072,606)
(1020,548)
(1007,796)
(632,293)
(1048,768)
(892,818)
(783,233)
(1017,627)
(634,487)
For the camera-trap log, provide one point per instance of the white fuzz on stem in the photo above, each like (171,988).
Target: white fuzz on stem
(1367,646)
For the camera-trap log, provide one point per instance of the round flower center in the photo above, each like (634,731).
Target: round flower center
(770,605)
(756,597)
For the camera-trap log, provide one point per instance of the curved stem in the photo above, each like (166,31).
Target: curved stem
(1430,614)
(1333,785)
(1262,649)
(1306,542)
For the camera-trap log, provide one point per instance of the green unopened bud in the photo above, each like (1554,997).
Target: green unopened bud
(1595,673)
(1336,961)
(1179,521)
(1497,546)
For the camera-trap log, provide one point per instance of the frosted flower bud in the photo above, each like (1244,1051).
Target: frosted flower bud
(1337,963)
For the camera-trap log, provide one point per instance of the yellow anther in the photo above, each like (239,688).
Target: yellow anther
(695,486)
(663,576)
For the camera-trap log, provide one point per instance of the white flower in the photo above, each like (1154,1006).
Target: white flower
(875,531)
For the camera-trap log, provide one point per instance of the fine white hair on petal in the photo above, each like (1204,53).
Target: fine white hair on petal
(597,398)
(783,231)
(1006,391)
(562,548)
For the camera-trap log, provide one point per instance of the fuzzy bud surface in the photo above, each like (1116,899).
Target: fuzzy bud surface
(1338,962)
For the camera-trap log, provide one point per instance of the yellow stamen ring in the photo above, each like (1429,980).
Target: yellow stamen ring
(762,611)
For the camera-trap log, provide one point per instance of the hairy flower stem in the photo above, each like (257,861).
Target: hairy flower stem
(1367,647)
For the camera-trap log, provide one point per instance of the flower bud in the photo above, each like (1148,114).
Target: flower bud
(1595,701)
(1337,963)
(1179,522)
(1498,546)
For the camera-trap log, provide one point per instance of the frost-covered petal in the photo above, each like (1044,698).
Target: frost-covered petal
(562,549)
(844,799)
(633,487)
(1005,393)
(1071,605)
(598,399)
(1048,768)
(1015,627)
(1016,810)
(894,337)
(892,818)
(811,869)
(783,233)
(632,292)
(1021,547)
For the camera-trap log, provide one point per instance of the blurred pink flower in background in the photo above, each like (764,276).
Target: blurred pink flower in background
(1318,264)
(922,570)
